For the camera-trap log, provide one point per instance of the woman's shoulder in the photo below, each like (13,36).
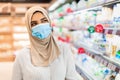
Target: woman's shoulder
(62,44)
(65,48)
(22,53)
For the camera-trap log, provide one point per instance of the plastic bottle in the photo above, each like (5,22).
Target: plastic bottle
(117,77)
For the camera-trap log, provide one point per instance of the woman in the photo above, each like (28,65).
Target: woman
(45,59)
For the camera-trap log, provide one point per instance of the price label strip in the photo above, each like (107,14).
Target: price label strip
(111,66)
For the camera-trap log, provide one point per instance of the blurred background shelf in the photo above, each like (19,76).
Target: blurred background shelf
(95,5)
(7,58)
(100,57)
(82,72)
(114,31)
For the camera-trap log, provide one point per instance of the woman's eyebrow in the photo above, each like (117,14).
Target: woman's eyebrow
(43,18)
(33,21)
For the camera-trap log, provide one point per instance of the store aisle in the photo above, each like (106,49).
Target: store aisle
(6,70)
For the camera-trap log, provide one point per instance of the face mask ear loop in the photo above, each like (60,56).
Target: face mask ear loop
(52,29)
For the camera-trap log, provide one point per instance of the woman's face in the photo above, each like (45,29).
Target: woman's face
(38,18)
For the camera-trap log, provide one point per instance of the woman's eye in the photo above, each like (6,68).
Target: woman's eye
(44,21)
(33,24)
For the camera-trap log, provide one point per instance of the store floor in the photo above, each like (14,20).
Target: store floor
(6,70)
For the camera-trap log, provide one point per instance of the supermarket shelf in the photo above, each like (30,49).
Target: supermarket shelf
(5,33)
(101,4)
(26,4)
(111,2)
(22,25)
(80,71)
(73,28)
(94,6)
(5,49)
(20,14)
(7,58)
(17,48)
(21,39)
(5,14)
(5,40)
(5,24)
(83,72)
(115,31)
(10,14)
(20,32)
(100,57)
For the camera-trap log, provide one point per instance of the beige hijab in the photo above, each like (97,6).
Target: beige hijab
(43,52)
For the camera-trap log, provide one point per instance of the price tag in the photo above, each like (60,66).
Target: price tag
(111,66)
(118,32)
(114,32)
(87,53)
(90,55)
(105,63)
(106,31)
(110,31)
(102,61)
(119,71)
(96,58)
(99,59)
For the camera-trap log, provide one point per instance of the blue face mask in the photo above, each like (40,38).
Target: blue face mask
(41,31)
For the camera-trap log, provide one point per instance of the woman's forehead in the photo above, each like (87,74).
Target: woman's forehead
(38,15)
